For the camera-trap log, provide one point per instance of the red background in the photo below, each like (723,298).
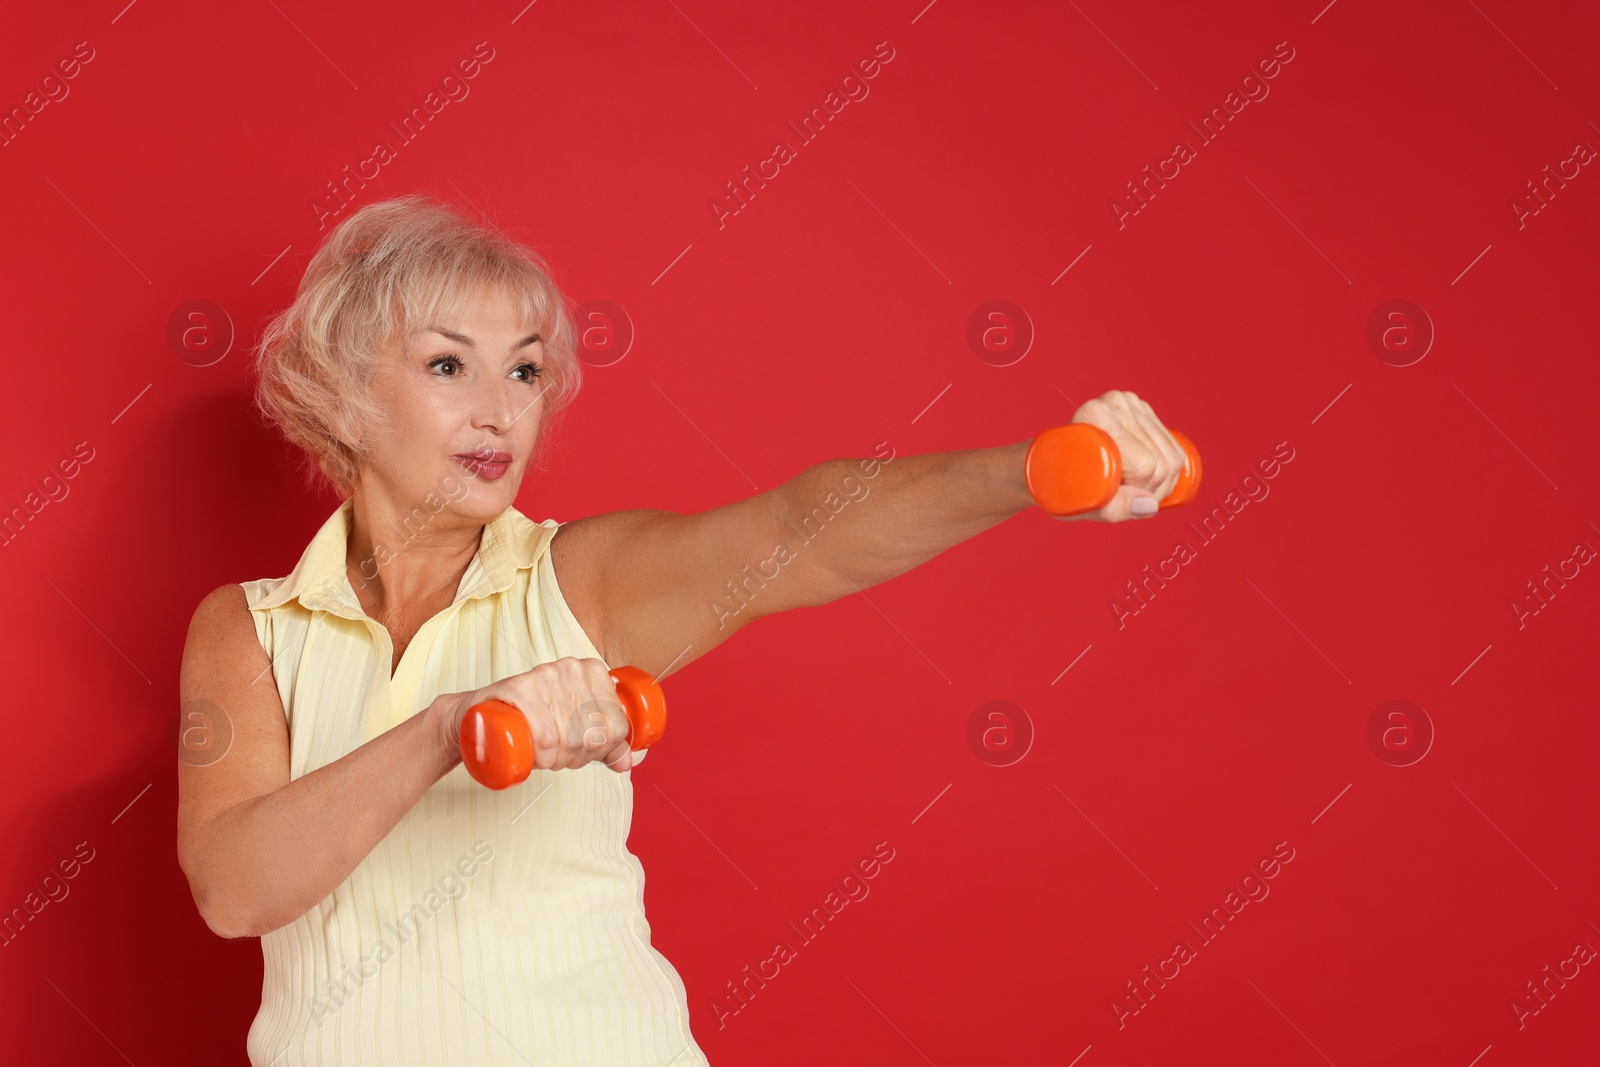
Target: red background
(1229,715)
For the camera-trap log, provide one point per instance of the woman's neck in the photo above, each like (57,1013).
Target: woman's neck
(398,557)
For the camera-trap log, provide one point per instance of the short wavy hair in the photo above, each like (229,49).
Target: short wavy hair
(390,268)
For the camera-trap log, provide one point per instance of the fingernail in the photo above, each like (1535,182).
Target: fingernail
(1144,506)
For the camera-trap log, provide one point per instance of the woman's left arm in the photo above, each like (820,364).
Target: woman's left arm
(655,589)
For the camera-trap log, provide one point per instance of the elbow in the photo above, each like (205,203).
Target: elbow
(228,908)
(226,912)
(224,928)
(234,916)
(226,917)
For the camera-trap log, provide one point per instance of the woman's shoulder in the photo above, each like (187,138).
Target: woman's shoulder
(223,615)
(231,598)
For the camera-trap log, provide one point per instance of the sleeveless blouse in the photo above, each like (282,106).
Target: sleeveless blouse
(490,926)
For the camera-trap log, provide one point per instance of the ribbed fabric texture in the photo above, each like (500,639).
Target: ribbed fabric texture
(489,927)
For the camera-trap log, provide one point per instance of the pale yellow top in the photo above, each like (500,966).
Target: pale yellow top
(489,927)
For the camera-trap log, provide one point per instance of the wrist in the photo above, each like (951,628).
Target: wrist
(444,727)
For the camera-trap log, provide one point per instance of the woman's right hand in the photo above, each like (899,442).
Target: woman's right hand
(572,710)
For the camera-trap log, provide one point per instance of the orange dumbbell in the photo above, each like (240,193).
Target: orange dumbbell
(1076,468)
(497,744)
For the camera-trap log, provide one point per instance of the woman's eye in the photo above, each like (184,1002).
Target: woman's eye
(531,370)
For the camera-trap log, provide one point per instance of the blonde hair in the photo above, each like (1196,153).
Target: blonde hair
(392,267)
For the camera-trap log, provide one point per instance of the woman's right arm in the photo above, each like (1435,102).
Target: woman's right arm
(258,849)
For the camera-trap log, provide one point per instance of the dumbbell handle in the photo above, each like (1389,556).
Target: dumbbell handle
(497,744)
(1076,468)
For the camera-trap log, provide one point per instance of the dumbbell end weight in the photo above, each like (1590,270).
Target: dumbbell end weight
(1077,468)
(497,744)
(1188,486)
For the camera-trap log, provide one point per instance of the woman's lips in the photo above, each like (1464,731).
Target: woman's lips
(489,465)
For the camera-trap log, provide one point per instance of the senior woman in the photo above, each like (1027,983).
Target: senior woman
(407,914)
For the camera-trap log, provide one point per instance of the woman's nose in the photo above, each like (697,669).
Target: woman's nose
(493,406)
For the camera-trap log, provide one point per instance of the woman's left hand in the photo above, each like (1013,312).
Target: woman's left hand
(1152,459)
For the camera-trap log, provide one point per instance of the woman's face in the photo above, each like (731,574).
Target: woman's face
(454,391)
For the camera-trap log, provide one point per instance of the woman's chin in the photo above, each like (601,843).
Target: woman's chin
(489,495)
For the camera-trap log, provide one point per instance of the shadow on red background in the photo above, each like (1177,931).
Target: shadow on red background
(1427,153)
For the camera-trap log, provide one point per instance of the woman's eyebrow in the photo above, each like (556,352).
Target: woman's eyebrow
(463,339)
